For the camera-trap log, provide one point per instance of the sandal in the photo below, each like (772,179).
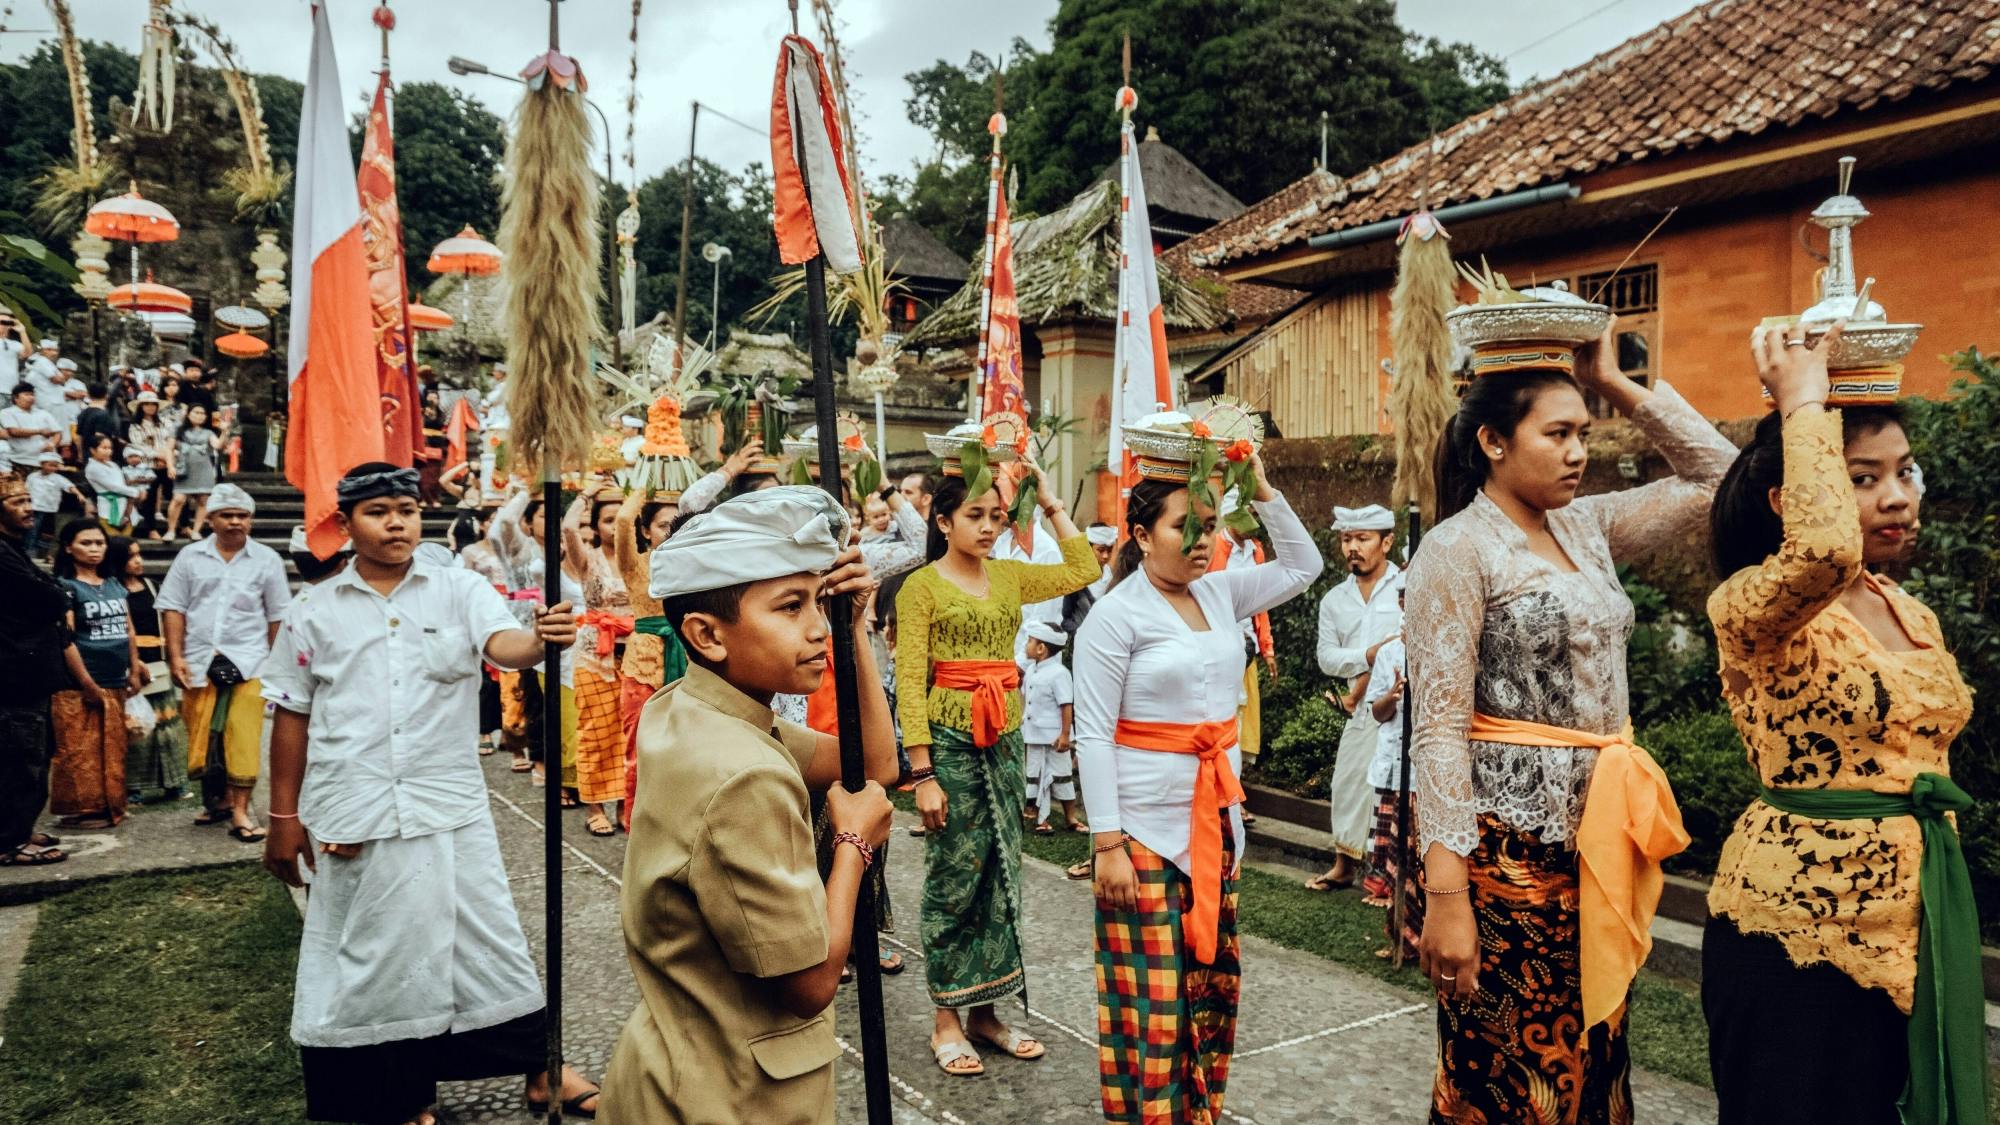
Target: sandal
(1027,1048)
(599,824)
(212,818)
(891,962)
(1325,882)
(571,1107)
(22,857)
(960,1052)
(1077,870)
(250,835)
(1079,826)
(43,840)
(1045,830)
(521,765)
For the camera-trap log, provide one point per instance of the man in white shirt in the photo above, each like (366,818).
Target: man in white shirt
(1355,619)
(30,430)
(75,397)
(40,370)
(13,350)
(219,609)
(412,966)
(1103,540)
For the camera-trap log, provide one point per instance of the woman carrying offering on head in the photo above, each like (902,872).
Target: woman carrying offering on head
(1841,923)
(956,622)
(1522,766)
(1159,670)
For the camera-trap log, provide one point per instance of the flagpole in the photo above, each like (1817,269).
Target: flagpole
(1404,875)
(1121,357)
(975,406)
(866,945)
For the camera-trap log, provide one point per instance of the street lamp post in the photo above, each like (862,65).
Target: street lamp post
(463,66)
(713,253)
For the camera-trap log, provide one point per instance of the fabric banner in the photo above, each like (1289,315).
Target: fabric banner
(335,418)
(1005,389)
(382,240)
(805,125)
(1141,381)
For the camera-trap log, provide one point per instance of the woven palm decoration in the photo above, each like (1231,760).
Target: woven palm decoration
(550,235)
(1420,390)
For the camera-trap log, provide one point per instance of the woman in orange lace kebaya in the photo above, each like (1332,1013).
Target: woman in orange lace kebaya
(1516,633)
(1842,688)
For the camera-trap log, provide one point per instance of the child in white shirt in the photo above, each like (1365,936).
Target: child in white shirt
(46,488)
(1046,698)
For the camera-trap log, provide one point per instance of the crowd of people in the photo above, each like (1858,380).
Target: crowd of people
(1038,678)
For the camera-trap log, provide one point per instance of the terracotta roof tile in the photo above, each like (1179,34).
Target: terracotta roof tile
(1725,70)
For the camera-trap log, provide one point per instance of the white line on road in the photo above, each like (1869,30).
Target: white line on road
(573,849)
(910,1093)
(1366,1021)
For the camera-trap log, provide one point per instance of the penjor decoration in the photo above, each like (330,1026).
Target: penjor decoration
(1420,391)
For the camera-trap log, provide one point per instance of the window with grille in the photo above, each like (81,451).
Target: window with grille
(1632,293)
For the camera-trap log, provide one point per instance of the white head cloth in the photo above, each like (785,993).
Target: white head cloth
(229,498)
(1101,536)
(632,422)
(790,529)
(1372,518)
(1046,633)
(65,364)
(48,342)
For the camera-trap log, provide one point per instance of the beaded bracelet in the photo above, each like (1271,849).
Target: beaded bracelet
(860,845)
(1110,847)
(1430,890)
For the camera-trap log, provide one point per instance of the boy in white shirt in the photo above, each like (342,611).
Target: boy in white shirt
(1046,698)
(1384,699)
(46,488)
(412,966)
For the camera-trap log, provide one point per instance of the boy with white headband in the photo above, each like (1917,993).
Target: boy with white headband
(736,943)
(413,967)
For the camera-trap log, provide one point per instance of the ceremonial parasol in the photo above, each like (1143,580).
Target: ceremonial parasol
(242,318)
(425,318)
(148,296)
(241,345)
(465,255)
(132,218)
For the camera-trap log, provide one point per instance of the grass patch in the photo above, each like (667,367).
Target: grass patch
(157,998)
(1669,1035)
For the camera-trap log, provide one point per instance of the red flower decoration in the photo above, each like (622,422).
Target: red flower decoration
(1238,450)
(1200,429)
(988,438)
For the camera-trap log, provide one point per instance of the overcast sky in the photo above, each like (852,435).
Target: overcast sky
(722,52)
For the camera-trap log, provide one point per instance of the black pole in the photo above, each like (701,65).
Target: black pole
(552,783)
(1404,874)
(866,945)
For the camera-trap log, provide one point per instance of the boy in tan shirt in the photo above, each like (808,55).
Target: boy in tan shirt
(736,944)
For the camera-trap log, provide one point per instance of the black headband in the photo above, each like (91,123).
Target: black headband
(391,482)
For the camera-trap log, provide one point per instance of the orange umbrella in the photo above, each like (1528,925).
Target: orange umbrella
(465,253)
(131,218)
(241,345)
(424,318)
(146,296)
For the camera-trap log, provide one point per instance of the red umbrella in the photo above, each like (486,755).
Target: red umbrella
(241,345)
(465,253)
(132,218)
(146,296)
(424,318)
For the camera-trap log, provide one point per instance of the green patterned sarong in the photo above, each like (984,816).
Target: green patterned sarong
(972,872)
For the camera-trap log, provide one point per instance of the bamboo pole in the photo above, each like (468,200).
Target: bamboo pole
(866,947)
(1404,875)
(975,395)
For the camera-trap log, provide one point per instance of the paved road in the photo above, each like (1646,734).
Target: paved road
(1316,1042)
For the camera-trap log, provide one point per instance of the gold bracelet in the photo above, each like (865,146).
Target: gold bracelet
(1819,402)
(1430,890)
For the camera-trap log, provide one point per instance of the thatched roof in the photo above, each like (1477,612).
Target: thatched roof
(754,354)
(913,251)
(1066,268)
(1176,188)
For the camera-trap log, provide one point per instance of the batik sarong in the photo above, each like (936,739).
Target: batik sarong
(1517,1050)
(1387,876)
(87,777)
(1166,1023)
(156,765)
(972,872)
(600,739)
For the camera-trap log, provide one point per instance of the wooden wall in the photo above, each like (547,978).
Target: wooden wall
(1316,370)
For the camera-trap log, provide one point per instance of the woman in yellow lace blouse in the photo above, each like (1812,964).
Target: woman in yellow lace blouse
(1843,691)
(955,625)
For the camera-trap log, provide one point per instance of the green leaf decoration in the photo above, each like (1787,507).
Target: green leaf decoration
(772,423)
(868,477)
(801,472)
(972,463)
(1240,476)
(1023,514)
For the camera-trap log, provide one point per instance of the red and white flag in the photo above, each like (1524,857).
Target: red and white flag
(389,297)
(805,132)
(1141,382)
(1005,390)
(336,417)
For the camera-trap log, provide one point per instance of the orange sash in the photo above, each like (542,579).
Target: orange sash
(610,627)
(1215,789)
(989,681)
(1630,823)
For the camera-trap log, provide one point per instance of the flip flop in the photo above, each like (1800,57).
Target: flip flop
(957,1050)
(599,825)
(1323,884)
(22,857)
(251,835)
(891,962)
(1027,1048)
(571,1107)
(211,819)
(1077,870)
(1045,830)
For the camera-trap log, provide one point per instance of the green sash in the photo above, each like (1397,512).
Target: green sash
(674,662)
(1947,1019)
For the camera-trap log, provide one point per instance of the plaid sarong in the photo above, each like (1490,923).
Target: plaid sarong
(1166,1023)
(600,739)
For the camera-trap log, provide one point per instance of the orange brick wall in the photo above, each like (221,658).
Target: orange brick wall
(1930,246)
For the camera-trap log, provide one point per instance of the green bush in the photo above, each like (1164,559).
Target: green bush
(1713,782)
(1957,574)
(1299,753)
(1670,662)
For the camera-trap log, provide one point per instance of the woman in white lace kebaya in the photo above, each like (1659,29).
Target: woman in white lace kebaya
(1516,620)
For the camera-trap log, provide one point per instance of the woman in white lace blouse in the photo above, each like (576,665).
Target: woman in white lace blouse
(1515,613)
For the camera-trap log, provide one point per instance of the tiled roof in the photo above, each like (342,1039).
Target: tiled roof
(1725,70)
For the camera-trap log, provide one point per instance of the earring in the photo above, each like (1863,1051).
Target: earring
(1496,454)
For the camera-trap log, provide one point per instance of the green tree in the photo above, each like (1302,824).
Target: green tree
(946,192)
(732,210)
(35,115)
